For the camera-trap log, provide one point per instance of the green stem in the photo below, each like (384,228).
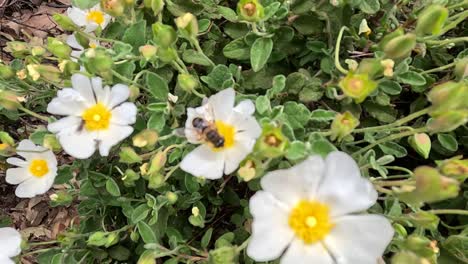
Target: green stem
(393,183)
(399,122)
(447,41)
(196,44)
(195,92)
(125,79)
(177,67)
(449,211)
(29,112)
(337,51)
(441,68)
(460,18)
(389,138)
(463,4)
(243,245)
(35,244)
(37,251)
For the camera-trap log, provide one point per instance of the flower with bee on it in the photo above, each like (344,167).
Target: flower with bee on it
(227,134)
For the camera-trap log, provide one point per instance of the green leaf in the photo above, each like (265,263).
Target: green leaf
(369,6)
(157,86)
(411,78)
(392,148)
(322,115)
(297,114)
(64,175)
(218,78)
(84,4)
(156,121)
(205,241)
(195,57)
(260,53)
(457,245)
(279,83)
(227,13)
(386,114)
(112,187)
(191,184)
(237,49)
(262,104)
(147,233)
(135,35)
(297,150)
(140,213)
(390,87)
(448,141)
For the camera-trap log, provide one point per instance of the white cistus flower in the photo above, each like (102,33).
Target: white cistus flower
(35,173)
(90,19)
(97,117)
(227,134)
(311,213)
(10,244)
(77,48)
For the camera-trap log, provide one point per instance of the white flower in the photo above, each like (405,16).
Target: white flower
(97,117)
(237,127)
(36,173)
(77,48)
(309,212)
(10,244)
(91,18)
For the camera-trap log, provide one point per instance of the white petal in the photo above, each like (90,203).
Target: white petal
(245,107)
(34,186)
(102,93)
(82,84)
(90,26)
(233,156)
(68,102)
(343,188)
(80,144)
(359,238)
(246,126)
(296,183)
(17,162)
(124,114)
(203,162)
(300,253)
(10,243)
(113,135)
(28,145)
(270,231)
(73,42)
(222,104)
(119,94)
(77,15)
(17,175)
(64,124)
(6,260)
(190,132)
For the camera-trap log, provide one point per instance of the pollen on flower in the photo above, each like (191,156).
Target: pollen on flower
(95,16)
(356,84)
(38,168)
(227,132)
(96,117)
(310,221)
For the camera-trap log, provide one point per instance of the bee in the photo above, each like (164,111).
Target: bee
(208,131)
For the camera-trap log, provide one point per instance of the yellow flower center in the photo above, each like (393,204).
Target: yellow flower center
(97,117)
(3,146)
(95,16)
(227,132)
(38,168)
(93,45)
(310,221)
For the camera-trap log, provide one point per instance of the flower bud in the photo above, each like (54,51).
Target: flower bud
(129,178)
(272,142)
(424,220)
(167,55)
(97,61)
(32,71)
(146,138)
(352,64)
(148,51)
(5,138)
(447,121)
(97,239)
(38,51)
(420,245)
(135,236)
(433,187)
(343,125)
(6,145)
(148,257)
(58,48)
(6,72)
(195,211)
(155,5)
(400,47)
(155,181)
(51,142)
(223,255)
(457,169)
(115,8)
(187,82)
(112,239)
(364,28)
(421,143)
(134,93)
(17,48)
(431,20)
(387,38)
(188,25)
(68,67)
(64,22)
(461,68)
(357,86)
(22,74)
(407,257)
(129,156)
(46,72)
(9,100)
(171,197)
(61,198)
(448,96)
(164,35)
(250,10)
(157,162)
(388,65)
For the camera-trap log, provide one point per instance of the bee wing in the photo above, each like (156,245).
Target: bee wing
(208,114)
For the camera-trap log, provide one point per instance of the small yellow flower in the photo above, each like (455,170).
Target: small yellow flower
(388,65)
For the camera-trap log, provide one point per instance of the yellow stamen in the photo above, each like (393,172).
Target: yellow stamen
(310,221)
(38,168)
(95,16)
(93,45)
(227,132)
(97,117)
